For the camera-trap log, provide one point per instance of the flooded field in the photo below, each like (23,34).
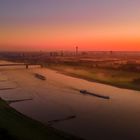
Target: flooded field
(58,102)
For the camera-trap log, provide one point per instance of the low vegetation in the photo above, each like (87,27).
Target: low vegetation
(137,81)
(15,126)
(119,78)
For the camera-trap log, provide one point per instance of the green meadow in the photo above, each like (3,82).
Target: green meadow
(118,78)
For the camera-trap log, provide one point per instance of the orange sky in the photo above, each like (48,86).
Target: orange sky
(101,27)
(87,37)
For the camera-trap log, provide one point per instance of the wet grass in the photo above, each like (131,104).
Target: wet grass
(15,126)
(118,78)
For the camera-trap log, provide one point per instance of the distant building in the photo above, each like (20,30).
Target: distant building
(76,50)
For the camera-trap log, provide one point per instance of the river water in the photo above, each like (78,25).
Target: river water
(58,97)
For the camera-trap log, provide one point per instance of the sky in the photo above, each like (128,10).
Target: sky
(95,25)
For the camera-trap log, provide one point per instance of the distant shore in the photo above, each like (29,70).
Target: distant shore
(121,79)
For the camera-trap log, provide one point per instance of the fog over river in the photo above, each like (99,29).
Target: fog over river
(58,97)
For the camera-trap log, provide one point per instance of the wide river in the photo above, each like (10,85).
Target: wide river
(58,97)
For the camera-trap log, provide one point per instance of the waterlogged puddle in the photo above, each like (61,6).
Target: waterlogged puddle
(7,90)
(5,84)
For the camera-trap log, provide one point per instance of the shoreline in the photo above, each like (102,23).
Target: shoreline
(119,84)
(15,125)
(84,77)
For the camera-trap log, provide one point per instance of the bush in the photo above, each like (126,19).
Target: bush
(136,81)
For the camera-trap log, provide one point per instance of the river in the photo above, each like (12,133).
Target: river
(58,97)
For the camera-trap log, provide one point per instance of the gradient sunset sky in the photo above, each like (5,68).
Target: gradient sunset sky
(99,25)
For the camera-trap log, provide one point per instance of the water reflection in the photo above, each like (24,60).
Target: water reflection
(55,98)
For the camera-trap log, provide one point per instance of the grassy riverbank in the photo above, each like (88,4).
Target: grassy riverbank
(15,126)
(118,78)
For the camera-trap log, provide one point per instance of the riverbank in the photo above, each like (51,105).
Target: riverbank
(58,97)
(15,126)
(118,78)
